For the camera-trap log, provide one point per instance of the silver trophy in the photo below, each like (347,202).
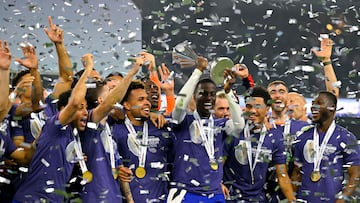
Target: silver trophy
(184,55)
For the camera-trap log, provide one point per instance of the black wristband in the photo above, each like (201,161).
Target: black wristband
(326,63)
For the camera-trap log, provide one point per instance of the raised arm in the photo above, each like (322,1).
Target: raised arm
(237,119)
(56,35)
(5,60)
(167,86)
(151,65)
(78,93)
(30,61)
(153,74)
(116,93)
(184,96)
(325,56)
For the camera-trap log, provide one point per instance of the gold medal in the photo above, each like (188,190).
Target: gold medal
(214,166)
(315,176)
(87,176)
(114,172)
(140,172)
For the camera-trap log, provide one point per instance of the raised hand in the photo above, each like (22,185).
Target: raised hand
(30,59)
(149,60)
(241,70)
(88,61)
(230,79)
(325,49)
(138,62)
(54,33)
(201,63)
(5,55)
(167,81)
(24,84)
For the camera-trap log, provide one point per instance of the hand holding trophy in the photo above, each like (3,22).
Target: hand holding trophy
(220,65)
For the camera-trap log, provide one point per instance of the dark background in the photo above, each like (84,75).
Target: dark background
(280,41)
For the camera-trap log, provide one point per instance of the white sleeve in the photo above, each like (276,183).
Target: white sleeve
(236,124)
(184,96)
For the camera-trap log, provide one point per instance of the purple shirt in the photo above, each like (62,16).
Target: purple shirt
(51,108)
(5,127)
(341,149)
(51,165)
(153,187)
(7,147)
(22,128)
(273,190)
(237,175)
(191,164)
(103,186)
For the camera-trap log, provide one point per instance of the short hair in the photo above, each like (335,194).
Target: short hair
(18,77)
(115,73)
(92,95)
(203,81)
(259,91)
(329,96)
(277,82)
(221,94)
(136,84)
(77,76)
(63,99)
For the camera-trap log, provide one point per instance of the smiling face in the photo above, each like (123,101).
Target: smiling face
(278,93)
(137,106)
(256,110)
(322,109)
(205,95)
(152,91)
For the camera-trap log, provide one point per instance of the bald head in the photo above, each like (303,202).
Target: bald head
(296,106)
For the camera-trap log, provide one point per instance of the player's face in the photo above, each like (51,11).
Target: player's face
(222,109)
(205,96)
(80,118)
(278,94)
(320,109)
(138,105)
(296,107)
(153,93)
(256,110)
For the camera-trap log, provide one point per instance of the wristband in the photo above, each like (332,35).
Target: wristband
(326,63)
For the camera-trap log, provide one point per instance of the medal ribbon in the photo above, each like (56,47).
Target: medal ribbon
(208,138)
(78,151)
(287,127)
(286,135)
(144,141)
(109,141)
(247,136)
(319,153)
